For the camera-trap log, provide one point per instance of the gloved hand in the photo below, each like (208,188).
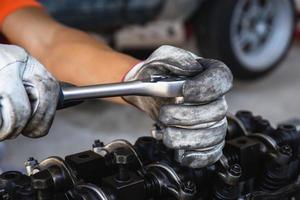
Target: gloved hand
(28,94)
(198,126)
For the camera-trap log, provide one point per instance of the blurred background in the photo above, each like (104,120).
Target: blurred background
(257,39)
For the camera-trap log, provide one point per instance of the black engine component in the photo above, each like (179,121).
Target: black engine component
(259,162)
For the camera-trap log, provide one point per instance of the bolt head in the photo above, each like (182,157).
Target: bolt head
(122,156)
(189,187)
(31,162)
(98,143)
(158,135)
(286,150)
(235,170)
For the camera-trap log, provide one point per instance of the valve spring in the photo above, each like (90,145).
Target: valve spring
(228,191)
(274,179)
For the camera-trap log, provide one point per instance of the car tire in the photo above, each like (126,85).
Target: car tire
(221,28)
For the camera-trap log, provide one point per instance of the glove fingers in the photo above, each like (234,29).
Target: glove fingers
(181,138)
(166,60)
(176,60)
(208,157)
(42,90)
(212,83)
(44,104)
(191,115)
(14,113)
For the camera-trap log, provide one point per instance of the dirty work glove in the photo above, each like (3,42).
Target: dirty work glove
(28,94)
(197,127)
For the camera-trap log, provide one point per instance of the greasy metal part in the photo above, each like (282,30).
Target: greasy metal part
(283,156)
(154,87)
(294,121)
(101,151)
(167,169)
(110,147)
(276,172)
(176,188)
(156,132)
(235,122)
(232,174)
(98,147)
(31,166)
(93,188)
(60,163)
(267,139)
(233,119)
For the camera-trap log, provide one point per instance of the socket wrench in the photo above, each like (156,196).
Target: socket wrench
(157,86)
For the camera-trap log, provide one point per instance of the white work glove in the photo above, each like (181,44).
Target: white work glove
(199,123)
(28,95)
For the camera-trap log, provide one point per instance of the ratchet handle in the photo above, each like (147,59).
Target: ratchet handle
(62,103)
(71,95)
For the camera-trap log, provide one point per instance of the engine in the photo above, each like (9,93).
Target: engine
(259,162)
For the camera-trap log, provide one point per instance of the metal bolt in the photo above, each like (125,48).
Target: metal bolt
(235,170)
(31,159)
(31,166)
(122,157)
(43,184)
(286,150)
(156,133)
(98,147)
(189,187)
(98,143)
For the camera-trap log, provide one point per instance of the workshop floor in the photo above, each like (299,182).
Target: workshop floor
(275,97)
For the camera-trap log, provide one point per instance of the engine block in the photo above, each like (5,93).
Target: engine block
(259,162)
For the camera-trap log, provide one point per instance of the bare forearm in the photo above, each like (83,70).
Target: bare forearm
(71,55)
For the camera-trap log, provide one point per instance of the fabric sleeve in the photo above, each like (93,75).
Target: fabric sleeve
(9,6)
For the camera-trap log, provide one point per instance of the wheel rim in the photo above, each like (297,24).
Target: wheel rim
(261,31)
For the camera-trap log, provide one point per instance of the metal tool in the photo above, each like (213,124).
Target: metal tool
(157,86)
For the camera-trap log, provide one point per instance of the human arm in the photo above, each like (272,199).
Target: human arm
(66,52)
